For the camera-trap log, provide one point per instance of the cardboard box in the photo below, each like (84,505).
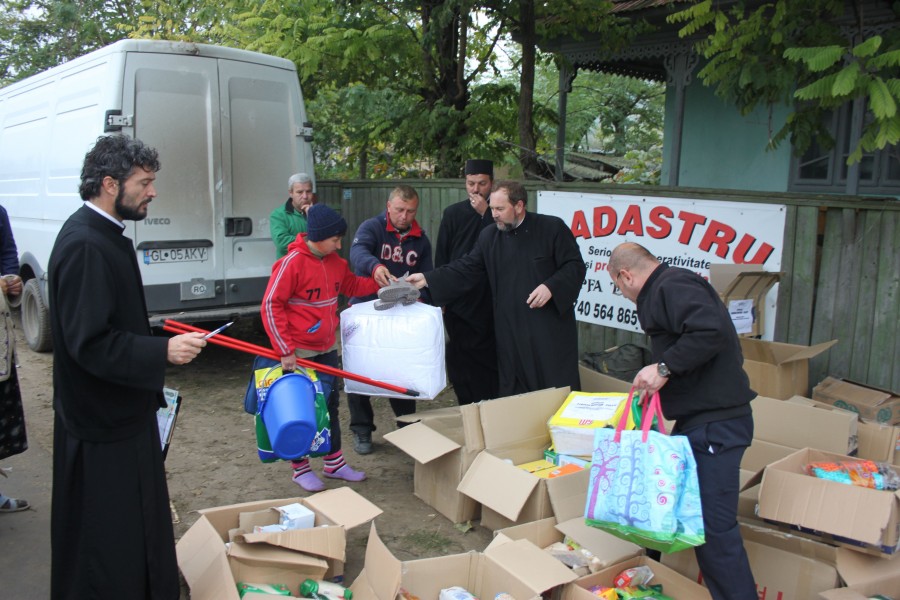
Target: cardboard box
(743,289)
(444,443)
(568,496)
(515,432)
(799,425)
(864,576)
(784,566)
(864,519)
(517,568)
(872,404)
(212,570)
(675,585)
(779,370)
(876,441)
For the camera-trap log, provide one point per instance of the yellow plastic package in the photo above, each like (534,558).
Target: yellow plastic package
(572,427)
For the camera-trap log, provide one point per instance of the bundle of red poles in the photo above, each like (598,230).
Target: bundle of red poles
(242,346)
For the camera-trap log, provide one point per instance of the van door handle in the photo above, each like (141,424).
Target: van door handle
(238,226)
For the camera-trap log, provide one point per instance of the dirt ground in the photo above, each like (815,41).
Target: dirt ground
(212,460)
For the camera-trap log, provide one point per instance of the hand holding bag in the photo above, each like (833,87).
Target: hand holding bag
(643,485)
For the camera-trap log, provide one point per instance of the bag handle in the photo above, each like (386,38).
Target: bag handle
(623,420)
(648,411)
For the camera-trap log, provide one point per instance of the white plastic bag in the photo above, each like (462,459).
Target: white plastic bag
(403,346)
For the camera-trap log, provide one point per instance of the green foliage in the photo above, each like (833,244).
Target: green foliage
(394,88)
(813,55)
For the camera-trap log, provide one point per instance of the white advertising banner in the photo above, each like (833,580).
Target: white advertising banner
(681,232)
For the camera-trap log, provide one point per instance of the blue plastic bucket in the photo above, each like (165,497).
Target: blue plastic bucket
(289,414)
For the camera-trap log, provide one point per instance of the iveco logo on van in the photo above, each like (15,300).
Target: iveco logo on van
(158,221)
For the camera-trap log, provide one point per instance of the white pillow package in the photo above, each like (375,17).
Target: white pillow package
(402,345)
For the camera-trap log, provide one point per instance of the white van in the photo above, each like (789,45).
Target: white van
(230,127)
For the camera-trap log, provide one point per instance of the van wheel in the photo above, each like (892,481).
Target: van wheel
(35,318)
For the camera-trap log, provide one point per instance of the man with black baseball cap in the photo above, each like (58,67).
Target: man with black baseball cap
(471,348)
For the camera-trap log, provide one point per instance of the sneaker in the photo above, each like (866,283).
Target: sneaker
(310,482)
(382,305)
(362,442)
(347,473)
(398,291)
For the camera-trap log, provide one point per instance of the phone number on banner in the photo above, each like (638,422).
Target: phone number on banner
(601,311)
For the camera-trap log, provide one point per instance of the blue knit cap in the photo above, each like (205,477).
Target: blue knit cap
(323,222)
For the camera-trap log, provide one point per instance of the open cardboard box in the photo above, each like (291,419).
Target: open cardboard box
(212,569)
(784,565)
(743,289)
(443,443)
(518,568)
(864,519)
(799,425)
(779,370)
(871,404)
(515,429)
(515,432)
(568,496)
(675,585)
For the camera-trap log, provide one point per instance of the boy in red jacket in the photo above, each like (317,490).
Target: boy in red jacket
(299,312)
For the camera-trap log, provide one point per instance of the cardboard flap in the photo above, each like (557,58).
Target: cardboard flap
(607,548)
(754,480)
(593,381)
(421,442)
(778,353)
(520,419)
(532,566)
(568,494)
(751,285)
(343,506)
(495,484)
(721,276)
(202,560)
(381,574)
(329,542)
(270,556)
(856,568)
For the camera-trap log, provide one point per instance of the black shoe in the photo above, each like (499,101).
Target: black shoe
(362,442)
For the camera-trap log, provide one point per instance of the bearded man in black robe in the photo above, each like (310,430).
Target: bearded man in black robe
(111,529)
(535,270)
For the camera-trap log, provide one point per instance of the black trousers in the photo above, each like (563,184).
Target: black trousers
(362,417)
(718,448)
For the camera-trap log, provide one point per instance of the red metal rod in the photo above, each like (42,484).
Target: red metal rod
(236,344)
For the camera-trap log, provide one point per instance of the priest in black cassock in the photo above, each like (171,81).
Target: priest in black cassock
(535,270)
(111,527)
(469,321)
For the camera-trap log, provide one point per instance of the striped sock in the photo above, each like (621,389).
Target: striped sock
(300,467)
(334,461)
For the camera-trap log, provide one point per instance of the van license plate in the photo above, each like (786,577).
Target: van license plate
(175,255)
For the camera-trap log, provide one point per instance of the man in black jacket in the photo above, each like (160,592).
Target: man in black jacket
(698,373)
(111,528)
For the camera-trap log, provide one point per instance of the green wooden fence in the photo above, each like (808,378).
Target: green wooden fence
(841,265)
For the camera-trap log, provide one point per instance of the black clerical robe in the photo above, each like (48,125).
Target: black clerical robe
(537,348)
(471,347)
(111,528)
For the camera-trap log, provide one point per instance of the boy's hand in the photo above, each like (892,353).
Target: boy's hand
(288,363)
